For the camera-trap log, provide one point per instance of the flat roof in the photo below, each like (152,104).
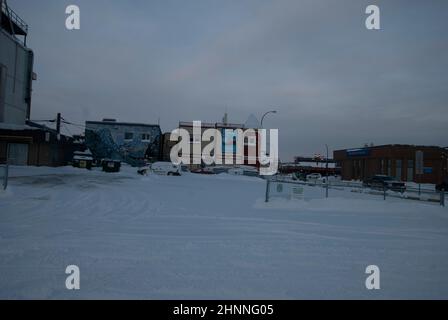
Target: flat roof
(217,125)
(116,123)
(392,146)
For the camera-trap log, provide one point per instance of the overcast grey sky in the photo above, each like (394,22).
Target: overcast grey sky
(332,80)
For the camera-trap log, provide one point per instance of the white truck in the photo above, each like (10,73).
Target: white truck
(166,169)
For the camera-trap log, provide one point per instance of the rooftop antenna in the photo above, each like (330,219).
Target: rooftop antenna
(225,118)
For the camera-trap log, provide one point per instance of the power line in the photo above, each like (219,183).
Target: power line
(43,120)
(72,123)
(68,130)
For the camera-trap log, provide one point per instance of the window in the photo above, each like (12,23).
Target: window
(146,137)
(410,175)
(2,91)
(252,141)
(196,139)
(398,164)
(128,136)
(389,167)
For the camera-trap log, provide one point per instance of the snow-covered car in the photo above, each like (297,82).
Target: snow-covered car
(385,182)
(144,170)
(166,168)
(313,177)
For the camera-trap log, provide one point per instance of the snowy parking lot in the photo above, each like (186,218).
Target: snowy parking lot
(210,237)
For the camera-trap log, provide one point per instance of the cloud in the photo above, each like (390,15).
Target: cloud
(331,80)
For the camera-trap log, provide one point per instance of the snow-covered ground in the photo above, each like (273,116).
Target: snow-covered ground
(210,237)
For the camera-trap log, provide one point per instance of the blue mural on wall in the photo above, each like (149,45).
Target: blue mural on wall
(108,142)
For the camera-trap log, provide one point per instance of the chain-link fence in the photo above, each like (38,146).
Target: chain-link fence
(280,187)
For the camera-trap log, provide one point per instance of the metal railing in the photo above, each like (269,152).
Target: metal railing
(14,17)
(410,193)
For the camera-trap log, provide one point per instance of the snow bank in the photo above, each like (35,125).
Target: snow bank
(211,237)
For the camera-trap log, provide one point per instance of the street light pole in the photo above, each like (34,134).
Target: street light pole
(264,115)
(262,118)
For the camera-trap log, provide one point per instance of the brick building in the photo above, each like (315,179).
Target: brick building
(35,145)
(228,141)
(399,161)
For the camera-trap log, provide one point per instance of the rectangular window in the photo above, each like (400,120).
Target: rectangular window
(360,169)
(398,164)
(353,169)
(128,136)
(389,167)
(251,141)
(146,137)
(2,91)
(196,139)
(410,173)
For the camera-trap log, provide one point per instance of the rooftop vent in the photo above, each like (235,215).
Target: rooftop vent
(109,120)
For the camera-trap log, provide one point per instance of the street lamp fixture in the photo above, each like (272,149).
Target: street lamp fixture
(264,115)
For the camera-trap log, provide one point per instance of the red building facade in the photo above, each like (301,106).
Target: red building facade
(399,161)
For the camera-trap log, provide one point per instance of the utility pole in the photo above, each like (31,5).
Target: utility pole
(326,189)
(58,123)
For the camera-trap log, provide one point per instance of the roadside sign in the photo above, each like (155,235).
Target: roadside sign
(289,191)
(297,192)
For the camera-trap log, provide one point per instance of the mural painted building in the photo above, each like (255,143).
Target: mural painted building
(132,143)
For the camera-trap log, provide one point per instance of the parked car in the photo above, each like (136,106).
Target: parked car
(82,159)
(203,171)
(385,182)
(244,171)
(443,186)
(166,168)
(299,176)
(313,177)
(144,170)
(331,179)
(236,171)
